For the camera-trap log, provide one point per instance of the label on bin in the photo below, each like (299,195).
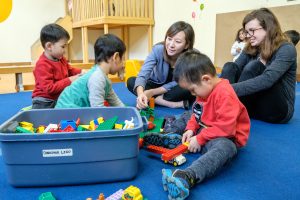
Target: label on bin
(57,152)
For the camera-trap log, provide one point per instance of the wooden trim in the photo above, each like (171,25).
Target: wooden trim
(298,77)
(19,70)
(150,38)
(29,68)
(81,61)
(82,65)
(14,64)
(16,69)
(114,20)
(85,43)
(28,87)
(126,41)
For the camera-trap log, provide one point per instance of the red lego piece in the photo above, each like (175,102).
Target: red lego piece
(106,104)
(172,153)
(141,142)
(151,125)
(52,130)
(68,129)
(77,121)
(157,149)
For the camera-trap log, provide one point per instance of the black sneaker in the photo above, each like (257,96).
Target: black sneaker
(177,183)
(169,140)
(168,124)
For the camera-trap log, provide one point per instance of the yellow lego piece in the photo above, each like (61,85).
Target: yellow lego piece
(100,120)
(25,124)
(118,126)
(92,126)
(40,129)
(133,193)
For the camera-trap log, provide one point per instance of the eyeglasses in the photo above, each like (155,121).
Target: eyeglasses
(251,32)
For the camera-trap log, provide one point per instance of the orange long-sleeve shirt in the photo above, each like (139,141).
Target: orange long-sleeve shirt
(221,115)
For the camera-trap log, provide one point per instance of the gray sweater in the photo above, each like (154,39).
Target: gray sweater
(280,68)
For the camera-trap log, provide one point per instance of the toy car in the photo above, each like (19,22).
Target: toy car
(178,160)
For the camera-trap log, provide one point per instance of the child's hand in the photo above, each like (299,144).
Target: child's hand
(142,101)
(186,137)
(73,78)
(83,71)
(194,146)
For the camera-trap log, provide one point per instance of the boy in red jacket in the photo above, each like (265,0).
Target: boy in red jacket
(52,72)
(218,126)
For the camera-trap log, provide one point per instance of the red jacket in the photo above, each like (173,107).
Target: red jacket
(222,115)
(51,77)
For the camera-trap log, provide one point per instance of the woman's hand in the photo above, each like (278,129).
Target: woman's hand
(142,101)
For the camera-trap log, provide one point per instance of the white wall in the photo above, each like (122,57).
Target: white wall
(22,28)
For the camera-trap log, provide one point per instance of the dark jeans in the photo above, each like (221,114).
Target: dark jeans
(43,103)
(267,105)
(216,154)
(175,94)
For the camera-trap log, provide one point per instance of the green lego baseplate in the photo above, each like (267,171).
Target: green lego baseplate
(107,124)
(158,125)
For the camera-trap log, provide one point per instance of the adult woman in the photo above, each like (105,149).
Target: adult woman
(156,76)
(264,75)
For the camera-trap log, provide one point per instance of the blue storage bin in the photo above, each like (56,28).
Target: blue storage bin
(71,158)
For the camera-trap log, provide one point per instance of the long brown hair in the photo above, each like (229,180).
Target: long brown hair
(274,36)
(176,28)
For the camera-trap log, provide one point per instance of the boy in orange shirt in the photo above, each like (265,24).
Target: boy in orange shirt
(218,126)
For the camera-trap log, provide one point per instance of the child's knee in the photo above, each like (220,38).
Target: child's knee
(226,145)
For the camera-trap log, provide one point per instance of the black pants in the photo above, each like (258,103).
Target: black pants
(175,94)
(43,104)
(267,105)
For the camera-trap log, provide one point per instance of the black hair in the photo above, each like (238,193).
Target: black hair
(191,65)
(53,33)
(293,36)
(105,47)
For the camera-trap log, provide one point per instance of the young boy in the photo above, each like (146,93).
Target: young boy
(93,88)
(218,126)
(293,36)
(52,72)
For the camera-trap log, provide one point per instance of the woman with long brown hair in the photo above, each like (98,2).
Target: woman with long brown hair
(264,75)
